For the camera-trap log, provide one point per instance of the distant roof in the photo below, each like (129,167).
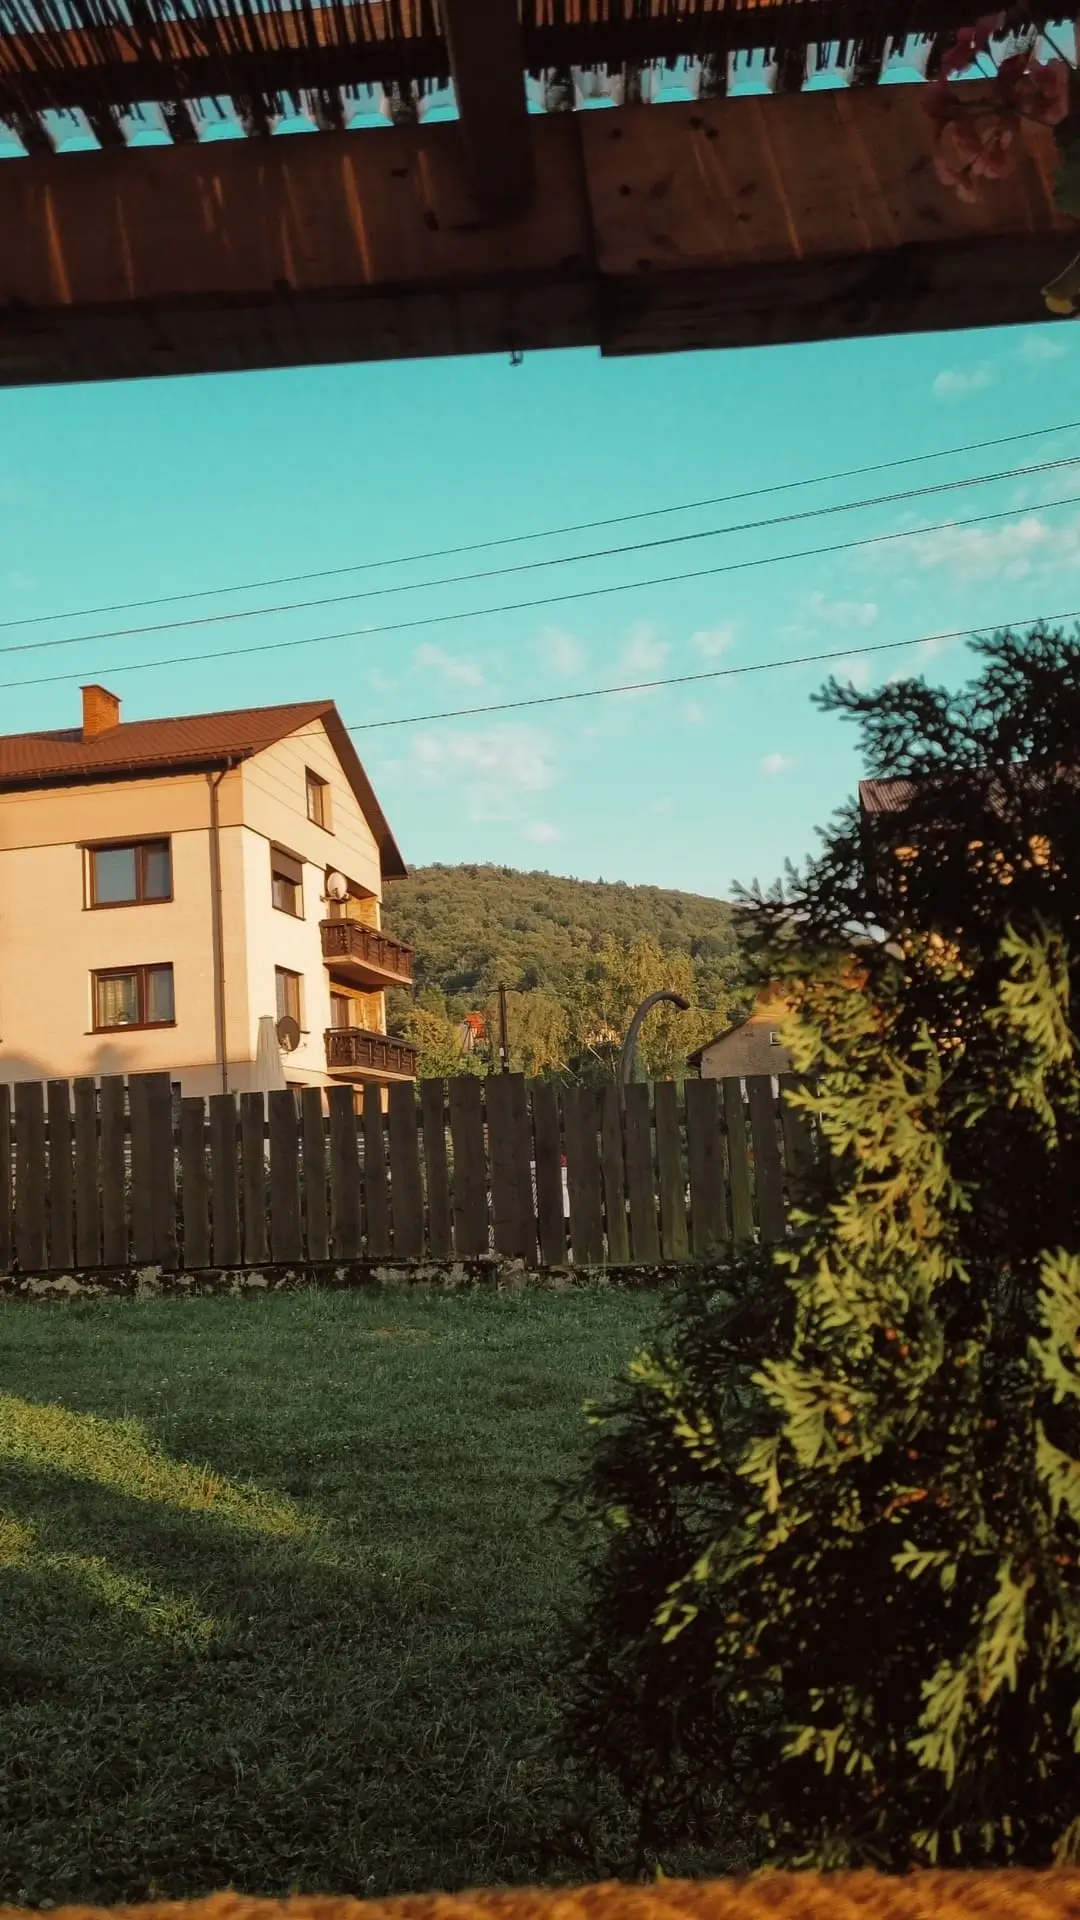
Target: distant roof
(138,748)
(892,796)
(886,796)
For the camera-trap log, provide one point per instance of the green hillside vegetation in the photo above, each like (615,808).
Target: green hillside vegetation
(576,956)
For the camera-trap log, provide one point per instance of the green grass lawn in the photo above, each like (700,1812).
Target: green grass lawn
(278,1589)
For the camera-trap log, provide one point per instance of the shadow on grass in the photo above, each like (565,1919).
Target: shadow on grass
(205,1683)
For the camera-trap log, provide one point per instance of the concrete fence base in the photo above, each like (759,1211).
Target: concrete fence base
(490,1272)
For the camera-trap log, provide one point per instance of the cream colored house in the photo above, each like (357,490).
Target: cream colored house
(167,885)
(751,1047)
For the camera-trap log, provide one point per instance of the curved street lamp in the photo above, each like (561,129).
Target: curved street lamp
(629,1050)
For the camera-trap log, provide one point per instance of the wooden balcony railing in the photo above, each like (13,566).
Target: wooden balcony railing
(367,955)
(353,1050)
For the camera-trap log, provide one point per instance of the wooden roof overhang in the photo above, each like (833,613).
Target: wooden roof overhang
(513,225)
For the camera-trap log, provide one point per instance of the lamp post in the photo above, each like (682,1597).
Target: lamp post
(629,1050)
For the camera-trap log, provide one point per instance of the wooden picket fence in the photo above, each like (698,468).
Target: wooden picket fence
(117,1173)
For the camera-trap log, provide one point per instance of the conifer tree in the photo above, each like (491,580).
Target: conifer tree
(834,1608)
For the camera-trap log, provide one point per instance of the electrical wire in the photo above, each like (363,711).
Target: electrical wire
(537,566)
(547,533)
(526,606)
(712,673)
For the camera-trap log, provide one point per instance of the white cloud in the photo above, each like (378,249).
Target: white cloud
(644,651)
(382,682)
(859,671)
(714,641)
(542,833)
(954,383)
(928,649)
(491,768)
(776,763)
(843,613)
(560,652)
(449,667)
(664,805)
(694,714)
(641,657)
(1009,552)
(1039,349)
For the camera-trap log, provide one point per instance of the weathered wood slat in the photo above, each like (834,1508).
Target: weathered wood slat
(87,1176)
(61,1178)
(253,1177)
(286,1238)
(7,1198)
(194,1184)
(509,1161)
(705,1153)
(346,1226)
(768,1166)
(674,1241)
(470,1168)
(141,1227)
(523,1156)
(547,1158)
(613,1169)
(440,1224)
(376,1186)
(316,1217)
(581,1126)
(798,1142)
(742,1213)
(30,1195)
(224,1181)
(114,1206)
(406,1188)
(162,1170)
(640,1178)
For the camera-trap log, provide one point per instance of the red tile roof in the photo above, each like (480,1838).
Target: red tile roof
(137,748)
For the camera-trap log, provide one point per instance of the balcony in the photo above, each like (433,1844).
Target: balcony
(364,957)
(355,1054)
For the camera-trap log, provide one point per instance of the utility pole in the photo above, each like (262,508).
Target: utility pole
(504,1036)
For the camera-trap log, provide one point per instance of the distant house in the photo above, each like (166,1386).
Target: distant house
(473,1032)
(751,1047)
(171,889)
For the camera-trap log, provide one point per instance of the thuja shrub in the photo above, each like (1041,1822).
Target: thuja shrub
(833,1591)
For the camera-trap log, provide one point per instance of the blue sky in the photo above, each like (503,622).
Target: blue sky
(109,493)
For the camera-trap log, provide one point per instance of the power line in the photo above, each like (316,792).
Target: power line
(713,673)
(527,606)
(546,533)
(537,566)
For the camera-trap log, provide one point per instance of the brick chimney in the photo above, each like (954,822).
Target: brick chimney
(100,711)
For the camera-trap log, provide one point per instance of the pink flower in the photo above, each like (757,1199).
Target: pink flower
(970,42)
(965,153)
(995,160)
(1010,78)
(956,178)
(1045,93)
(937,102)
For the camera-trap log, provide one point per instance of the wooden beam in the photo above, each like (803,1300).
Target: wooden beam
(487,62)
(737,222)
(356,43)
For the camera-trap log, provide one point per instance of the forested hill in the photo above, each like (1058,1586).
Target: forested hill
(476,927)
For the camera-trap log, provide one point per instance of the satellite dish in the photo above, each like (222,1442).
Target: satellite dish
(288,1034)
(337,887)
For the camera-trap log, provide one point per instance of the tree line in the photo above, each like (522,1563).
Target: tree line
(576,957)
